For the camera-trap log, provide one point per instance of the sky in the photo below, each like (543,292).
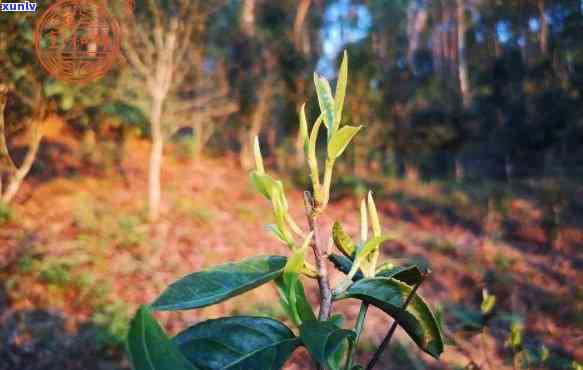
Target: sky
(344,23)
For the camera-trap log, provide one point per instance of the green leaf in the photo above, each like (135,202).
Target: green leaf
(340,141)
(294,299)
(275,231)
(488,302)
(238,343)
(53,87)
(67,101)
(410,275)
(304,136)
(280,207)
(468,318)
(343,241)
(344,265)
(128,113)
(149,348)
(296,261)
(363,222)
(219,283)
(336,361)
(374,215)
(390,295)
(258,156)
(313,159)
(273,190)
(314,137)
(341,89)
(264,184)
(323,338)
(370,246)
(326,102)
(291,288)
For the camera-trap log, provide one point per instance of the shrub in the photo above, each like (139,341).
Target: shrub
(6,213)
(247,342)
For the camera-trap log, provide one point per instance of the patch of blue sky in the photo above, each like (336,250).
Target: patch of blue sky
(504,31)
(344,23)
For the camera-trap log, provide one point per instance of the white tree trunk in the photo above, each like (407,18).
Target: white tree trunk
(464,75)
(248,18)
(156,153)
(19,176)
(16,175)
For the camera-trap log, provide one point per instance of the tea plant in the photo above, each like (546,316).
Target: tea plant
(260,343)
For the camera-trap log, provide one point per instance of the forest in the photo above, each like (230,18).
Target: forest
(453,126)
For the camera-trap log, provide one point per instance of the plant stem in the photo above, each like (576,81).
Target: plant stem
(485,349)
(319,251)
(327,181)
(392,330)
(358,329)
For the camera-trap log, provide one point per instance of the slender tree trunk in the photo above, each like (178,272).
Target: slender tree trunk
(248,17)
(459,169)
(463,71)
(18,177)
(508,169)
(411,171)
(156,153)
(524,30)
(544,29)
(258,117)
(417,24)
(301,42)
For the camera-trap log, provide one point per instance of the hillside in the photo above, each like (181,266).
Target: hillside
(78,257)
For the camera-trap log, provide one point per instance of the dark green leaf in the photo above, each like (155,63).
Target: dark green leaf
(390,295)
(238,343)
(344,264)
(468,318)
(128,113)
(219,283)
(408,274)
(150,349)
(337,359)
(323,339)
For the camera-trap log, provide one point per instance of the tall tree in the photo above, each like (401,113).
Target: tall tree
(14,174)
(544,28)
(161,52)
(22,83)
(463,72)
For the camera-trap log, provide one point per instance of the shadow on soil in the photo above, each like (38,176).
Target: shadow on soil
(40,340)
